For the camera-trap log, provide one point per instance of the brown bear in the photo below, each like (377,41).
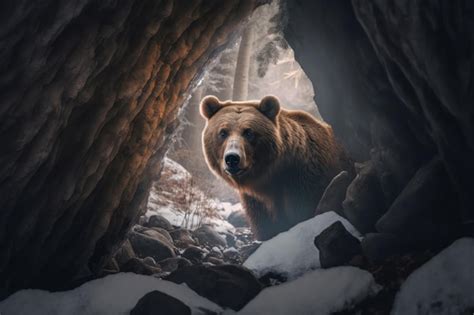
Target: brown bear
(280,161)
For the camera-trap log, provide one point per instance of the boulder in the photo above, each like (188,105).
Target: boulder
(208,236)
(247,250)
(139,266)
(145,246)
(173,264)
(422,214)
(150,261)
(182,238)
(334,194)
(232,255)
(216,252)
(112,266)
(377,247)
(238,218)
(156,302)
(214,260)
(159,221)
(336,246)
(125,253)
(229,286)
(364,203)
(194,254)
(231,240)
(157,234)
(162,231)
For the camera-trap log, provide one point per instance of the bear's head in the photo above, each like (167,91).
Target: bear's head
(241,140)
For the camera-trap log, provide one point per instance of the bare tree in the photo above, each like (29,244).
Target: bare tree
(241,78)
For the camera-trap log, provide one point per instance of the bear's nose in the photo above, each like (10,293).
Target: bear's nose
(232,160)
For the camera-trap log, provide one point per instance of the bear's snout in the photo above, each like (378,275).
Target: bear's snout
(232,160)
(233,157)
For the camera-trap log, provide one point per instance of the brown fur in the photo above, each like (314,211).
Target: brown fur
(287,165)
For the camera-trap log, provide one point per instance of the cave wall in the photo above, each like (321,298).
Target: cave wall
(393,78)
(90,92)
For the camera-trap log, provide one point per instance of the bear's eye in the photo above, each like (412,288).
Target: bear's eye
(223,134)
(249,134)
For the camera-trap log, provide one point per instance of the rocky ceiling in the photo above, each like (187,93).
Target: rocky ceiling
(394,79)
(90,92)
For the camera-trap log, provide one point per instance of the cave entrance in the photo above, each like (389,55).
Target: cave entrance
(257,63)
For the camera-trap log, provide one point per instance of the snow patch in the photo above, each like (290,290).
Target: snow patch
(321,291)
(292,253)
(114,295)
(444,285)
(177,171)
(177,198)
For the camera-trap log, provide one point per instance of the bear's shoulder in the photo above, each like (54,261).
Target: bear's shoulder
(305,119)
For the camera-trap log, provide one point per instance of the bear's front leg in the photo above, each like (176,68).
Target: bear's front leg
(261,219)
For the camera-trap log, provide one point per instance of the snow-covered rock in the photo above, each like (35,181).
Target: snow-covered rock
(114,295)
(292,253)
(444,285)
(321,291)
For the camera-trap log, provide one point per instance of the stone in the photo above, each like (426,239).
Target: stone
(150,261)
(232,255)
(420,214)
(145,246)
(139,266)
(173,264)
(162,231)
(112,266)
(216,252)
(238,218)
(124,253)
(208,236)
(229,286)
(247,250)
(334,194)
(158,235)
(364,203)
(194,254)
(231,240)
(336,246)
(378,247)
(156,302)
(214,260)
(182,237)
(159,221)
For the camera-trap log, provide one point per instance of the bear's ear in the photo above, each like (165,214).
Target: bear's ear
(270,107)
(209,106)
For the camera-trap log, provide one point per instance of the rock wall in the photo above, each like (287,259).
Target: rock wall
(393,79)
(90,92)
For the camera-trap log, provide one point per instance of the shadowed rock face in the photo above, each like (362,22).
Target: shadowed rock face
(90,92)
(393,78)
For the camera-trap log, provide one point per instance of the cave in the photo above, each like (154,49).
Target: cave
(92,93)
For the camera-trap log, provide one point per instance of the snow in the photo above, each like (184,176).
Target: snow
(292,253)
(226,208)
(182,203)
(178,172)
(115,294)
(444,285)
(321,291)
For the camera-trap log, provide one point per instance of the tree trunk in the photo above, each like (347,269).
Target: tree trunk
(241,78)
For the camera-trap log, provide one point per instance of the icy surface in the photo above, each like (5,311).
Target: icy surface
(444,285)
(321,291)
(114,295)
(292,253)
